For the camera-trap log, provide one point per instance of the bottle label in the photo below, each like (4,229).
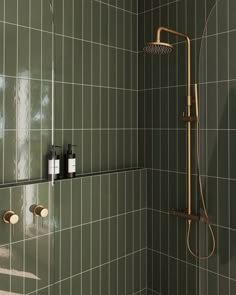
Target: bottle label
(53,167)
(71,165)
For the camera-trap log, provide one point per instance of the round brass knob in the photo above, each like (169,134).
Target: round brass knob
(10,217)
(40,211)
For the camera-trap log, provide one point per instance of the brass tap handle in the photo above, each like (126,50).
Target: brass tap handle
(10,217)
(40,211)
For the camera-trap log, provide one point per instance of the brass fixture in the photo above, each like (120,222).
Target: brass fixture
(187,216)
(40,211)
(10,217)
(159,47)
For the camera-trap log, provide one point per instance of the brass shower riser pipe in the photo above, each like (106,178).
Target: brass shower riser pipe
(160,29)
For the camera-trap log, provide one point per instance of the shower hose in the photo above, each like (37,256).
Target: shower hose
(203,203)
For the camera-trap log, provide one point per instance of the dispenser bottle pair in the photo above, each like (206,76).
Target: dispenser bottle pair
(54,163)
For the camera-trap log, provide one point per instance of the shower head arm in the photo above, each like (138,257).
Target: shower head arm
(159,30)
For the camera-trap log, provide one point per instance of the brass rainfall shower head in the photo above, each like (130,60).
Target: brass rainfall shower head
(158,48)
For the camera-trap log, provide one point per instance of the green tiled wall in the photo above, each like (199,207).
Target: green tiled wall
(162,97)
(92,242)
(96,99)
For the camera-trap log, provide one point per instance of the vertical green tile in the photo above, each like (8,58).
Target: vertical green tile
(47,16)
(104,150)
(113,238)
(76,285)
(76,251)
(67,107)
(96,237)
(35,56)
(86,246)
(96,199)
(129,192)
(104,21)
(23,52)
(86,200)
(78,61)
(121,235)
(136,196)
(36,12)
(87,107)
(96,27)
(46,107)
(113,278)
(137,232)
(68,11)
(5,264)
(58,14)
(104,241)
(87,63)
(76,201)
(10,103)
(35,155)
(65,244)
(5,200)
(77,107)
(9,151)
(113,194)
(104,280)
(87,151)
(30,265)
(96,282)
(96,161)
(17,205)
(67,59)
(121,193)
(87,20)
(129,233)
(43,256)
(66,205)
(47,56)
(129,274)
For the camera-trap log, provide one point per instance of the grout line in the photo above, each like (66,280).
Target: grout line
(10,248)
(229,163)
(81,234)
(191,264)
(177,160)
(91,156)
(71,237)
(4,93)
(41,95)
(217,119)
(16,98)
(125,233)
(37,244)
(82,95)
(69,83)
(67,36)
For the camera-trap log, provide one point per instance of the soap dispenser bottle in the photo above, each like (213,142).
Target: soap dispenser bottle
(53,163)
(70,162)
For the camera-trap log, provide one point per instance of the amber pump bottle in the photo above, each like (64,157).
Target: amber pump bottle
(70,162)
(54,163)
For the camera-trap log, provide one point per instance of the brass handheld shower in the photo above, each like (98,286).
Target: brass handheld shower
(159,47)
